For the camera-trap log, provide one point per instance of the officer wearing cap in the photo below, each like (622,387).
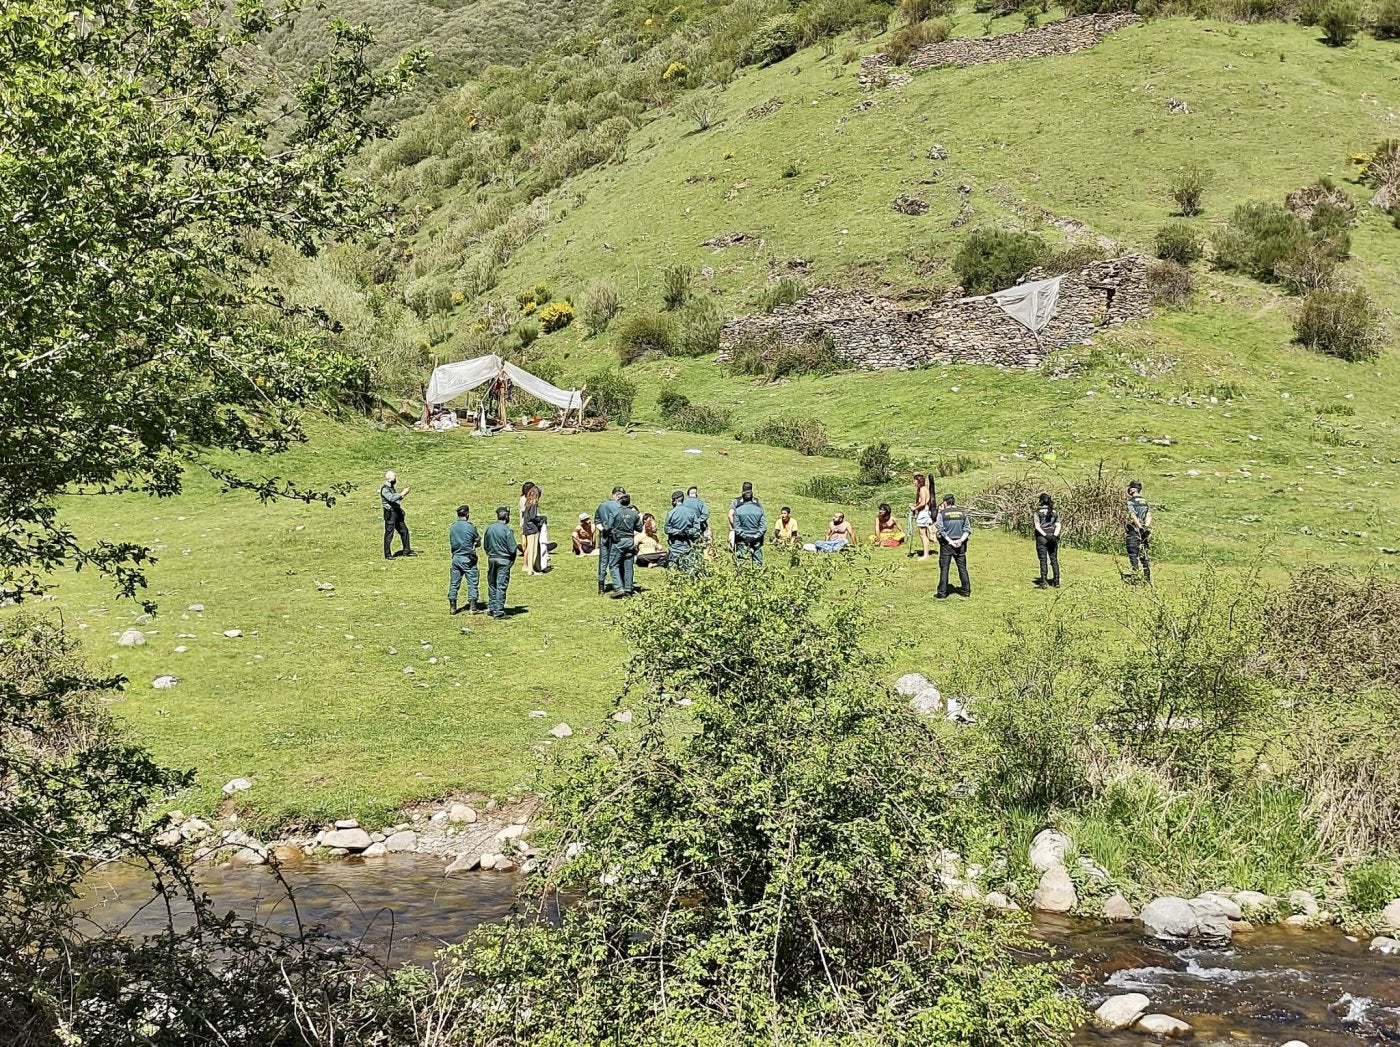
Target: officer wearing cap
(464,539)
(953,529)
(683,528)
(1138,535)
(626,522)
(697,505)
(602,526)
(750,524)
(501,549)
(391,498)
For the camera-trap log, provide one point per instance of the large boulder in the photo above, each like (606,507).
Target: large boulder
(1170,918)
(1216,905)
(910,684)
(1163,1025)
(1303,902)
(132,638)
(1048,850)
(401,841)
(349,839)
(928,702)
(1056,892)
(1120,1012)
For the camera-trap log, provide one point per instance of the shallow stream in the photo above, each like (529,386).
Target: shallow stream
(1272,985)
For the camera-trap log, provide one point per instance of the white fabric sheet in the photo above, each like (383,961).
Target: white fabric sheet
(452,380)
(569,399)
(1031,305)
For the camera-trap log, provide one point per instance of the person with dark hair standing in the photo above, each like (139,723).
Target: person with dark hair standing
(532,524)
(1047,541)
(464,539)
(922,513)
(602,524)
(391,498)
(1138,535)
(683,528)
(750,524)
(626,523)
(501,548)
(954,529)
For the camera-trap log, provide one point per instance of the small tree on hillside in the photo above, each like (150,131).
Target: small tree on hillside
(1188,189)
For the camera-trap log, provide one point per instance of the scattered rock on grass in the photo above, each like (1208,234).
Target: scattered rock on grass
(461,814)
(233,634)
(165,682)
(562,730)
(132,638)
(237,785)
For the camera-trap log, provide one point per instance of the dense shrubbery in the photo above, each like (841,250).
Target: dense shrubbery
(994,259)
(874,465)
(639,336)
(676,282)
(1092,508)
(1188,189)
(700,418)
(556,316)
(611,394)
(1259,238)
(1169,283)
(600,305)
(910,38)
(1339,23)
(774,40)
(1341,323)
(699,325)
(1385,20)
(774,358)
(1179,242)
(794,432)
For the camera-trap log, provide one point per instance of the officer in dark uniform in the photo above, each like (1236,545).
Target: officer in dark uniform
(683,528)
(391,498)
(464,539)
(501,548)
(953,529)
(750,527)
(1138,535)
(626,522)
(1047,541)
(602,527)
(697,505)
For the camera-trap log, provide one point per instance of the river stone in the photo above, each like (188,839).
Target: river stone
(169,838)
(511,832)
(438,818)
(1169,918)
(1303,902)
(285,852)
(1048,850)
(1255,900)
(1119,909)
(488,860)
(1390,916)
(132,638)
(195,829)
(1162,1025)
(1214,927)
(1299,919)
(374,850)
(347,823)
(463,863)
(1385,946)
(1295,1043)
(461,814)
(1214,905)
(404,841)
(910,684)
(503,865)
(1055,893)
(1119,1012)
(348,839)
(999,901)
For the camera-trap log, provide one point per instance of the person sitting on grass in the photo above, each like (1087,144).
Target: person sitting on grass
(888,533)
(650,551)
(786,529)
(584,538)
(839,535)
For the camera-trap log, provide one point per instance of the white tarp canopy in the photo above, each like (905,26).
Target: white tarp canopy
(1031,305)
(452,380)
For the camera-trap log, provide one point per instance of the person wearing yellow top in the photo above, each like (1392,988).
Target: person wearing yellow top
(650,552)
(888,533)
(786,530)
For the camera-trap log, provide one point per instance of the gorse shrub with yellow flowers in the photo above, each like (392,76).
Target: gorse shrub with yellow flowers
(556,316)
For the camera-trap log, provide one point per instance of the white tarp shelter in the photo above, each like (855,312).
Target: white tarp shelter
(1031,305)
(452,380)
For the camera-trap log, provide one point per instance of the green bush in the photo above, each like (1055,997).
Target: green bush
(875,465)
(910,38)
(556,316)
(671,400)
(1311,266)
(642,335)
(675,286)
(1343,324)
(527,331)
(774,358)
(1385,20)
(1339,23)
(1071,258)
(774,40)
(611,395)
(1372,885)
(600,304)
(794,432)
(783,291)
(700,418)
(1258,238)
(1179,242)
(1188,188)
(994,259)
(1309,12)
(839,489)
(699,325)
(915,11)
(1169,283)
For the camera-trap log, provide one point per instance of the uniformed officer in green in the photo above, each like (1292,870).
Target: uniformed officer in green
(464,539)
(391,498)
(683,529)
(1139,531)
(501,548)
(750,527)
(953,529)
(602,527)
(626,522)
(697,505)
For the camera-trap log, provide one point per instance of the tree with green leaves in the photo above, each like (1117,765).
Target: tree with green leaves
(148,165)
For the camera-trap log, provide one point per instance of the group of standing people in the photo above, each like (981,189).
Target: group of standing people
(624,538)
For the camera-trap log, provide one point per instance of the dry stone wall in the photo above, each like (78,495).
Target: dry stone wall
(875,333)
(1056,38)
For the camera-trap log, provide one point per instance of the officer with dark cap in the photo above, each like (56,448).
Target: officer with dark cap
(464,539)
(750,526)
(1139,531)
(501,548)
(602,526)
(683,528)
(953,529)
(626,522)
(697,505)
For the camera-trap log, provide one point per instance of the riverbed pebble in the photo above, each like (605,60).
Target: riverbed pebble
(461,814)
(354,839)
(999,901)
(1390,916)
(1215,905)
(1056,892)
(1162,1025)
(1119,909)
(347,823)
(1255,900)
(374,850)
(463,863)
(1169,918)
(1384,945)
(401,842)
(1119,1012)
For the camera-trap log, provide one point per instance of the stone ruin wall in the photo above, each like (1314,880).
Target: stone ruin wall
(874,333)
(1056,38)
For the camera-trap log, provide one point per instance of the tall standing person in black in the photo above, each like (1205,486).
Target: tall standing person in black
(1047,541)
(391,498)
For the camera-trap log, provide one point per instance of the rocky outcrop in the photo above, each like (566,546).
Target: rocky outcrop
(1056,38)
(874,333)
